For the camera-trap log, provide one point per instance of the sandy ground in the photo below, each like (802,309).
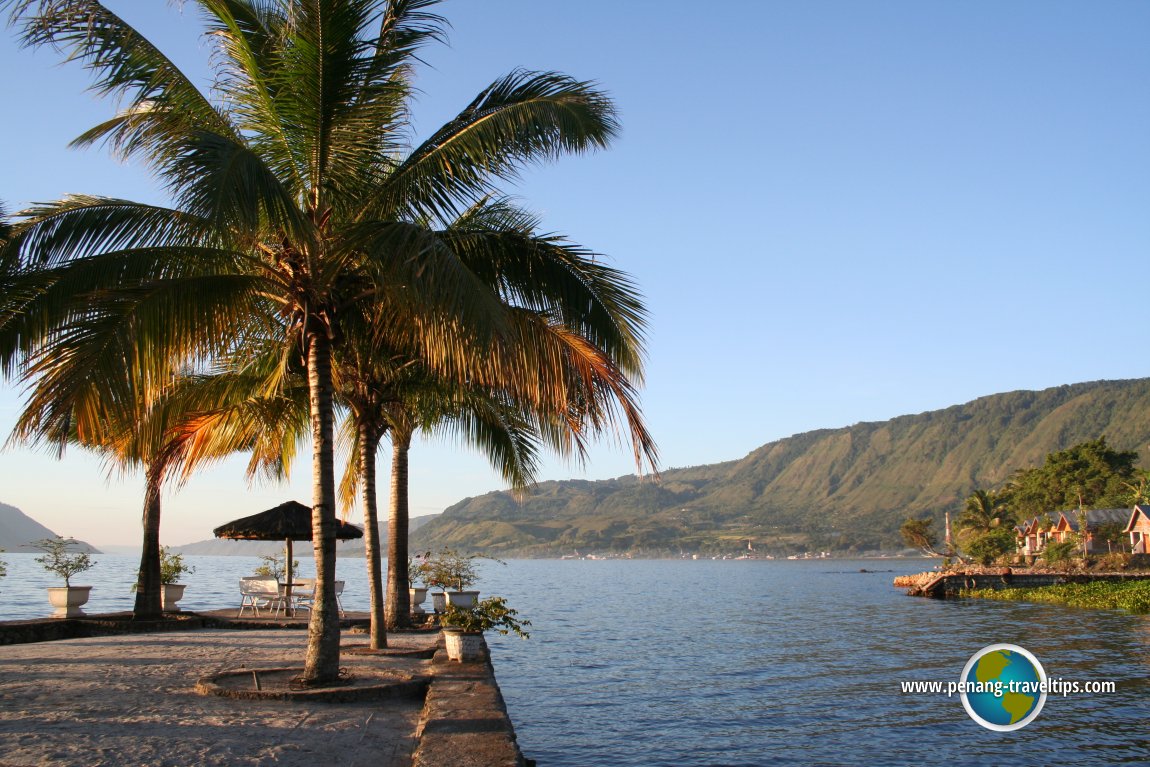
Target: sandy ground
(129,700)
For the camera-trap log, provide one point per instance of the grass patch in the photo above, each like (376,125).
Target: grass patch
(1132,596)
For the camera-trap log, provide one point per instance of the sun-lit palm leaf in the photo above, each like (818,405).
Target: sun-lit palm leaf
(125,65)
(548,273)
(80,226)
(522,118)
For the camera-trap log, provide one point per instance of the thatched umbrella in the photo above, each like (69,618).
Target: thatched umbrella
(290,521)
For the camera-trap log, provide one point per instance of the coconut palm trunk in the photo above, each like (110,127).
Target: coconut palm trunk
(369,441)
(321,663)
(149,601)
(398,582)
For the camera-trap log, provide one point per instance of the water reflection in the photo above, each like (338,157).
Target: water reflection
(728,663)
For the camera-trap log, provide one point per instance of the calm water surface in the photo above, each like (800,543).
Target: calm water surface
(746,663)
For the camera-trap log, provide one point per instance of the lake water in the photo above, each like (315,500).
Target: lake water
(747,662)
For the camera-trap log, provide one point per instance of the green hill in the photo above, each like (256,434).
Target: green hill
(843,489)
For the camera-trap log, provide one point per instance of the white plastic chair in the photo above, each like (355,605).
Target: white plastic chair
(303,593)
(306,597)
(257,592)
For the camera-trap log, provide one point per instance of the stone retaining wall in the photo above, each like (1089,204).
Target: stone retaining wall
(51,629)
(951,585)
(465,721)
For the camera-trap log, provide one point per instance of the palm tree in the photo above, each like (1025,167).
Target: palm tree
(397,407)
(984,511)
(578,325)
(300,173)
(158,432)
(127,441)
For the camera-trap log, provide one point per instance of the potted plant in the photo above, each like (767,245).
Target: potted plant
(417,573)
(171,568)
(58,558)
(463,627)
(451,572)
(273,567)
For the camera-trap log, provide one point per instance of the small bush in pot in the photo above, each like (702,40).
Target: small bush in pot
(463,627)
(172,566)
(491,614)
(447,570)
(60,559)
(453,573)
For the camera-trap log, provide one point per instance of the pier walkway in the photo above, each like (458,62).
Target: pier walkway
(129,699)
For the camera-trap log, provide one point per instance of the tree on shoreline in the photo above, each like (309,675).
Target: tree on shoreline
(920,534)
(983,512)
(298,193)
(1087,475)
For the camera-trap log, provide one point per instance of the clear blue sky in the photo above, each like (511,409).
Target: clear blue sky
(839,211)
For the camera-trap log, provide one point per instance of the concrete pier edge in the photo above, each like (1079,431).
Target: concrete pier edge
(465,721)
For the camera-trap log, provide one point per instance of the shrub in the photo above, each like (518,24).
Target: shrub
(991,545)
(448,569)
(273,567)
(172,566)
(1060,554)
(58,559)
(488,614)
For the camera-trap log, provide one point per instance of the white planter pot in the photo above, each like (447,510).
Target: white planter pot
(67,600)
(464,646)
(438,601)
(417,595)
(172,593)
(462,599)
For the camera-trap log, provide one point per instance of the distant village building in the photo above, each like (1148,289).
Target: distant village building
(1030,537)
(1033,535)
(1138,528)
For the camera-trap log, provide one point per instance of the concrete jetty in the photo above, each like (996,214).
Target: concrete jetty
(113,698)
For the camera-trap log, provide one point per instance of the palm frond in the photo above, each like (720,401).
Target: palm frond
(162,102)
(547,273)
(228,185)
(80,226)
(522,118)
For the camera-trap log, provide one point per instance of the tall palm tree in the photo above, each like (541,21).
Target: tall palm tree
(299,169)
(397,407)
(127,438)
(575,322)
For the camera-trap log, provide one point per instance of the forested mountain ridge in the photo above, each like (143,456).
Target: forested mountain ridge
(845,489)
